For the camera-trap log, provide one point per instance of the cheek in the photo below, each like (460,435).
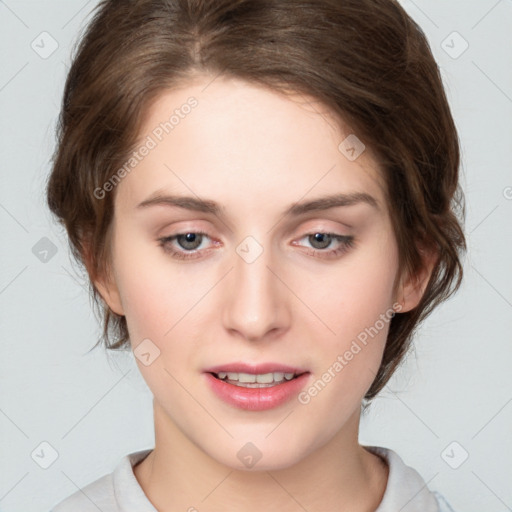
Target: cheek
(151,297)
(357,292)
(356,305)
(147,313)
(165,303)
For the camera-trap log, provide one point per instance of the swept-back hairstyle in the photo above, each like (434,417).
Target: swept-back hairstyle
(367,61)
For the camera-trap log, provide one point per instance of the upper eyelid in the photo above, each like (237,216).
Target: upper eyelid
(288,230)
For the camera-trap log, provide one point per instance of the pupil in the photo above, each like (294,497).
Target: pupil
(322,238)
(189,238)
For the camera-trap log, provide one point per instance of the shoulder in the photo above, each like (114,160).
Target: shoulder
(110,492)
(406,490)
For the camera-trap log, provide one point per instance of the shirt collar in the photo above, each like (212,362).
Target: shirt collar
(127,490)
(406,490)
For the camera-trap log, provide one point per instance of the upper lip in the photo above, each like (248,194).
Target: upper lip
(261,368)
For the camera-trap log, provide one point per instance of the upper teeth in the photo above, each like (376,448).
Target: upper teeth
(261,378)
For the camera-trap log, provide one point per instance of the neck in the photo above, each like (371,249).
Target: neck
(340,476)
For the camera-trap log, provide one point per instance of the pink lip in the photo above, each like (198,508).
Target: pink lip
(257,399)
(240,367)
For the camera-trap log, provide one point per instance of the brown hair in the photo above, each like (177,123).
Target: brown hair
(367,61)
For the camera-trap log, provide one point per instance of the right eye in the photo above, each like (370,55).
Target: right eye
(189,243)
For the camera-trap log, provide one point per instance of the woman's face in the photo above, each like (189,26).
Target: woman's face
(258,287)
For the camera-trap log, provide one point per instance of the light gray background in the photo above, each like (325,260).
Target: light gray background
(93,409)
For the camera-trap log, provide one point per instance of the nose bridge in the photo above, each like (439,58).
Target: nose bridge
(256,302)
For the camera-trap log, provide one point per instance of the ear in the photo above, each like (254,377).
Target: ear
(411,291)
(105,284)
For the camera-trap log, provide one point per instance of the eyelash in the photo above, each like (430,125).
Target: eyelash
(346,243)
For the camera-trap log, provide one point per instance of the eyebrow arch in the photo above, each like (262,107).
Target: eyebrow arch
(209,206)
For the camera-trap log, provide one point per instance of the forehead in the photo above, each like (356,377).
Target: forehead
(243,143)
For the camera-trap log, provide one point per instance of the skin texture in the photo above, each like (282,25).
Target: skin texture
(255,152)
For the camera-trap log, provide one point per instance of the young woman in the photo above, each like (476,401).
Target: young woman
(265,196)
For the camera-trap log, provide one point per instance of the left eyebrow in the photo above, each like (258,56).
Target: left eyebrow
(333,201)
(209,206)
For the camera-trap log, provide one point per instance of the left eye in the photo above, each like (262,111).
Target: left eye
(324,240)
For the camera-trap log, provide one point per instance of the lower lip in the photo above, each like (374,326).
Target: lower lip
(257,399)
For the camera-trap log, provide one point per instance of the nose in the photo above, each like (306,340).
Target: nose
(256,305)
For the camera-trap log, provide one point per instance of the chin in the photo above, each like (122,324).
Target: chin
(260,454)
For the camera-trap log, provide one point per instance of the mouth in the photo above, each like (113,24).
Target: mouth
(259,380)
(256,387)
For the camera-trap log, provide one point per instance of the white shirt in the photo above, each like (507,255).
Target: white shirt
(120,491)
